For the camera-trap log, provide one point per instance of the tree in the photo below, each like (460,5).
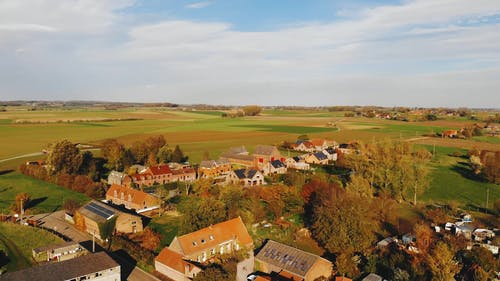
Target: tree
(64,157)
(202,213)
(343,223)
(206,156)
(164,154)
(423,235)
(139,151)
(70,206)
(442,263)
(154,143)
(346,265)
(113,152)
(150,239)
(252,110)
(303,138)
(178,155)
(22,200)
(360,186)
(107,229)
(480,274)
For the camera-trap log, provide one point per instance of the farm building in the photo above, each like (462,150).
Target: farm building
(98,267)
(277,257)
(94,213)
(61,252)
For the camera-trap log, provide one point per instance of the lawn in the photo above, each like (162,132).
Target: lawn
(46,197)
(451,180)
(168,226)
(18,242)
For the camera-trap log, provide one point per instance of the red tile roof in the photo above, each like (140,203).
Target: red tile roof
(160,170)
(137,196)
(172,259)
(317,142)
(214,235)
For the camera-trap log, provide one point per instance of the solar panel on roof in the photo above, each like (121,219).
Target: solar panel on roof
(99,210)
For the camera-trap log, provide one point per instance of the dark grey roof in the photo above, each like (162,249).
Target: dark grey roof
(277,164)
(65,270)
(344,145)
(296,158)
(245,173)
(97,211)
(320,156)
(287,258)
(264,149)
(330,150)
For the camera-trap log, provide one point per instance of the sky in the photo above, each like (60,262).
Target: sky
(234,52)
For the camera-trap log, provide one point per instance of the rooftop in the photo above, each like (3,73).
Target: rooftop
(288,258)
(64,270)
(214,235)
(97,211)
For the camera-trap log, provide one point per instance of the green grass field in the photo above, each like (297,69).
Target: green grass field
(451,179)
(18,242)
(46,197)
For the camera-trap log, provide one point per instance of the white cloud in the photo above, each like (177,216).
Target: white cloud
(198,5)
(390,55)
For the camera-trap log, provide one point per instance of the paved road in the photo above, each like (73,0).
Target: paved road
(36,154)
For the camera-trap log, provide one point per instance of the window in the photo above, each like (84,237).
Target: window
(211,237)
(202,241)
(195,243)
(212,252)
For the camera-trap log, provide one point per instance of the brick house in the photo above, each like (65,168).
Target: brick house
(182,259)
(131,198)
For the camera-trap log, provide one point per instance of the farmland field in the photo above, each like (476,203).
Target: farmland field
(198,132)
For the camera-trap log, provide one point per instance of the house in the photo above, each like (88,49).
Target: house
(61,252)
(385,242)
(482,234)
(185,174)
(347,148)
(306,146)
(373,277)
(132,198)
(173,265)
(317,158)
(98,266)
(94,213)
(182,258)
(116,177)
(297,163)
(249,177)
(264,154)
(319,144)
(238,156)
(160,174)
(277,257)
(213,168)
(274,167)
(464,230)
(408,238)
(330,153)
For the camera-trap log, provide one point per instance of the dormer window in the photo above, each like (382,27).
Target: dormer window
(203,241)
(195,243)
(211,237)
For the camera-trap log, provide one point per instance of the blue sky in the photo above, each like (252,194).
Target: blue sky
(412,52)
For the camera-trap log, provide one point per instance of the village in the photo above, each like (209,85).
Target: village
(131,201)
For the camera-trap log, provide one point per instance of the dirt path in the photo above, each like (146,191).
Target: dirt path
(17,260)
